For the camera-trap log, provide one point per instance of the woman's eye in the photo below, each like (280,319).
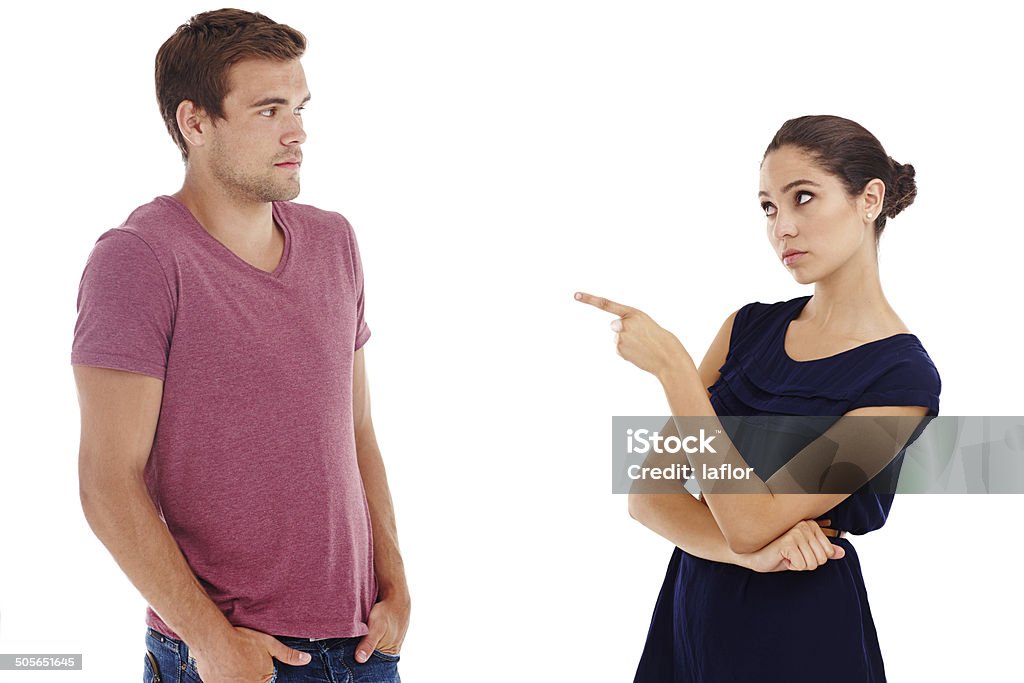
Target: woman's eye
(800,195)
(768,208)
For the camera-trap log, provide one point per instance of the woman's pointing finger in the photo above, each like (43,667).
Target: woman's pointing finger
(604,304)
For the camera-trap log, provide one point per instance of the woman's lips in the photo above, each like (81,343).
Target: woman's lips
(790,258)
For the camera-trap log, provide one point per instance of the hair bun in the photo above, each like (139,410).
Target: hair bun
(903,190)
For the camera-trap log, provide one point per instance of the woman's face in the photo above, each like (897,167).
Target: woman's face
(810,214)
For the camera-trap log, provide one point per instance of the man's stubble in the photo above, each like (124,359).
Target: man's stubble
(248,186)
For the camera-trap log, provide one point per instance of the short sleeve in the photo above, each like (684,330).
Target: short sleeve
(912,380)
(125,308)
(738,323)
(362,329)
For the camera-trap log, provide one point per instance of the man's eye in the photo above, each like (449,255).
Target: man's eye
(267,112)
(802,193)
(768,208)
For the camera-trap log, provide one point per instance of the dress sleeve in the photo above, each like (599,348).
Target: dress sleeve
(738,323)
(125,308)
(912,380)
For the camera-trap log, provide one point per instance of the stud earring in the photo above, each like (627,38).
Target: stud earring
(869,216)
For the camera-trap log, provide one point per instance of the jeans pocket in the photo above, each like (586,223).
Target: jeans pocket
(386,656)
(192,670)
(150,669)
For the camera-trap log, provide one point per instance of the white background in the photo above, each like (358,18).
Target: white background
(494,158)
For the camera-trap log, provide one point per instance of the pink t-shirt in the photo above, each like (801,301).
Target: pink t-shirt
(253,465)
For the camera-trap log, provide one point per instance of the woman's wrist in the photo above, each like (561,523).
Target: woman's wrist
(679,369)
(678,374)
(745,560)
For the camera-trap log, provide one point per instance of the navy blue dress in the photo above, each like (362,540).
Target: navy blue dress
(716,622)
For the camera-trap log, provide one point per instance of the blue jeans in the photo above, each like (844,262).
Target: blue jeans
(333,661)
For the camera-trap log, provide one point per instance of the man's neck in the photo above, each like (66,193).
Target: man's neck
(230,219)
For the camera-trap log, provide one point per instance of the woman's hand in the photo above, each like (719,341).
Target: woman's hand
(639,339)
(802,548)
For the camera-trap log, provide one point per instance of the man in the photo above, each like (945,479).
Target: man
(228,459)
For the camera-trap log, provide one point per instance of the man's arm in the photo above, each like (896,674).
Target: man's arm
(119,417)
(389,618)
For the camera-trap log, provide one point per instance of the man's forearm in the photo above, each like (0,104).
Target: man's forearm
(685,521)
(123,517)
(387,558)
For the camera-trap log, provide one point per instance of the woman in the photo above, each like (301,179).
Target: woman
(731,609)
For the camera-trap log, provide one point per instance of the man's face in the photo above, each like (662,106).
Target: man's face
(254,152)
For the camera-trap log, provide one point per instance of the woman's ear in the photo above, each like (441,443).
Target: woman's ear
(872,199)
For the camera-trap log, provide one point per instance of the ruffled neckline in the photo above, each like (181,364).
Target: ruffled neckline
(780,341)
(762,377)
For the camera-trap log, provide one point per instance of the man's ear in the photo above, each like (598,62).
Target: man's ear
(193,122)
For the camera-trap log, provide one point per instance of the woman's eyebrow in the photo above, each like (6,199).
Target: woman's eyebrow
(790,186)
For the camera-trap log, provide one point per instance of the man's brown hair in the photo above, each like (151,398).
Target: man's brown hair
(193,63)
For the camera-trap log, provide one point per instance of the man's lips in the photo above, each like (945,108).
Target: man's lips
(290,163)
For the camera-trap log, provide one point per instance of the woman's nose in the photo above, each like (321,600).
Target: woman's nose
(784,226)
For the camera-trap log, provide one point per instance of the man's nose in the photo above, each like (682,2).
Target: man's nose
(295,135)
